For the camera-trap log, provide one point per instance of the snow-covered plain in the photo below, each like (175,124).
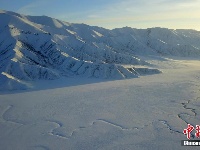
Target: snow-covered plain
(149,112)
(79,87)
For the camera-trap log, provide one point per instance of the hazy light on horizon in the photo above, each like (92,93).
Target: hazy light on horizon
(110,14)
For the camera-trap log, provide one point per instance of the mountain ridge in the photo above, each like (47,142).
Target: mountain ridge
(41,47)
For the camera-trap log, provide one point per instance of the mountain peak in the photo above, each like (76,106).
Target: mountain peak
(41,47)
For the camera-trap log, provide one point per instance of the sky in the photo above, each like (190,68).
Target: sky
(174,14)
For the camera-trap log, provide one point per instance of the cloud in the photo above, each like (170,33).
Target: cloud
(179,1)
(145,13)
(93,16)
(141,8)
(118,13)
(36,7)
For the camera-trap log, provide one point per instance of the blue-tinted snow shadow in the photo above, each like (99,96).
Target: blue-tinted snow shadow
(69,81)
(62,82)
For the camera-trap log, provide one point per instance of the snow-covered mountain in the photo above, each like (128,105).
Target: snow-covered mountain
(40,47)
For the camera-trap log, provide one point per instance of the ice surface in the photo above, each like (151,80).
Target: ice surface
(60,87)
(149,112)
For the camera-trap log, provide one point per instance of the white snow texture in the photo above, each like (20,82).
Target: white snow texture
(41,47)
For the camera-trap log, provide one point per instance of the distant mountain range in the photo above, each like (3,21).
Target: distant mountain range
(40,47)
